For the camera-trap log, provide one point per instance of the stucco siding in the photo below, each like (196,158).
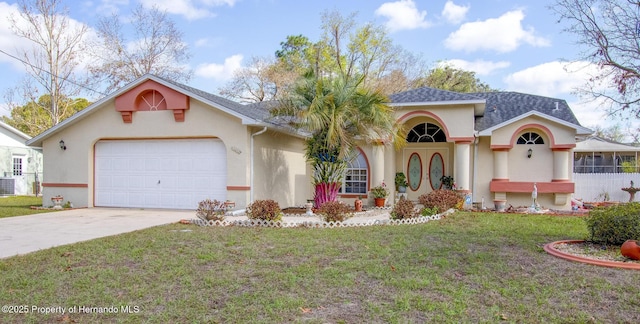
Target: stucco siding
(458,120)
(75,165)
(281,171)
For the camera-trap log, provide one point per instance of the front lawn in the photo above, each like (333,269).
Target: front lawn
(469,267)
(20,205)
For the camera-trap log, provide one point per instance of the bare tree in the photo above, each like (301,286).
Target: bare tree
(609,33)
(157,48)
(52,59)
(264,79)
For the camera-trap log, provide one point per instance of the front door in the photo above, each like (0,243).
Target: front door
(424,168)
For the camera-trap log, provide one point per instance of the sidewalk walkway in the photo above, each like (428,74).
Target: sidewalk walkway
(24,234)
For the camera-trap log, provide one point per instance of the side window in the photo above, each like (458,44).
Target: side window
(18,165)
(355,179)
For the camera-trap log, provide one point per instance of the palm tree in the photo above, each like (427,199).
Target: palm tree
(337,112)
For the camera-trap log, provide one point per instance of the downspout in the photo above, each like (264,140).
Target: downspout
(474,191)
(251,172)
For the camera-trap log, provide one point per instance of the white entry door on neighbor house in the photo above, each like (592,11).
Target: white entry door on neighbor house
(166,173)
(19,164)
(424,168)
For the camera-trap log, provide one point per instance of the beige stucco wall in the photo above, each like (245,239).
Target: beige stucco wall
(281,171)
(458,119)
(561,134)
(538,168)
(75,164)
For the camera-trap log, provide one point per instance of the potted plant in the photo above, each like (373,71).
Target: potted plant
(379,193)
(447,182)
(401,182)
(357,204)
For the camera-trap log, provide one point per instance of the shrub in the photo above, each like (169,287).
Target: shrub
(614,225)
(429,211)
(403,209)
(442,199)
(334,211)
(211,210)
(268,210)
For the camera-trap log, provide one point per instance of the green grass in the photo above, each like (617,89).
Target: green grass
(20,205)
(469,267)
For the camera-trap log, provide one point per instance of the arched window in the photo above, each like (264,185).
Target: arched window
(355,179)
(426,132)
(530,138)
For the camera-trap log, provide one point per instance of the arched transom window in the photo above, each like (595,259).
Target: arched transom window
(530,138)
(355,179)
(426,132)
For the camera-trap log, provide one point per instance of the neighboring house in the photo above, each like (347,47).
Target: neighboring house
(598,155)
(159,144)
(20,165)
(602,168)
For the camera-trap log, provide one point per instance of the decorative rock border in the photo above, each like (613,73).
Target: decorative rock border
(549,248)
(316,224)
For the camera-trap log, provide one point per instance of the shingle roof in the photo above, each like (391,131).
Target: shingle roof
(503,106)
(426,94)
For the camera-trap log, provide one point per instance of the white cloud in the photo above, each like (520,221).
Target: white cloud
(109,6)
(14,45)
(453,13)
(549,79)
(503,34)
(480,67)
(402,14)
(221,72)
(559,79)
(190,9)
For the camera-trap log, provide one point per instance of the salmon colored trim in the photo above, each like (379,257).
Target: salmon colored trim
(136,100)
(538,127)
(65,185)
(429,114)
(241,188)
(563,147)
(560,180)
(499,179)
(352,195)
(543,187)
(463,140)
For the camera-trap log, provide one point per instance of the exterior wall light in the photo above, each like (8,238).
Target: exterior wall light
(62,146)
(529,153)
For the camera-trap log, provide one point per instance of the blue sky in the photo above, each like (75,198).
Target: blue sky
(513,45)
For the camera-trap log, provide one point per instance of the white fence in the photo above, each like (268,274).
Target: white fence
(595,186)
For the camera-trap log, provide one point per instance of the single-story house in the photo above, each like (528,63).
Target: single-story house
(156,143)
(20,165)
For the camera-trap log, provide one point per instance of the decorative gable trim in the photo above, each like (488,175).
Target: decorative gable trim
(151,96)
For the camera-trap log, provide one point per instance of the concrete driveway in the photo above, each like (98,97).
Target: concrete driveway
(24,234)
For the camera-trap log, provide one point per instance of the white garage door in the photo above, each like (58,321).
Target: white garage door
(176,173)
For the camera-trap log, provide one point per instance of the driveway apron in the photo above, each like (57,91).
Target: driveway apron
(25,234)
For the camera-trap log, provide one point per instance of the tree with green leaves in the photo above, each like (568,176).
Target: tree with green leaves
(337,112)
(33,118)
(364,53)
(452,79)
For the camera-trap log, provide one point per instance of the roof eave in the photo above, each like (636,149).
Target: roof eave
(580,130)
(440,103)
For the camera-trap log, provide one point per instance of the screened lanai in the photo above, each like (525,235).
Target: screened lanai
(597,155)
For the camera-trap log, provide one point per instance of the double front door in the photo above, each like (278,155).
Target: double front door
(424,168)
